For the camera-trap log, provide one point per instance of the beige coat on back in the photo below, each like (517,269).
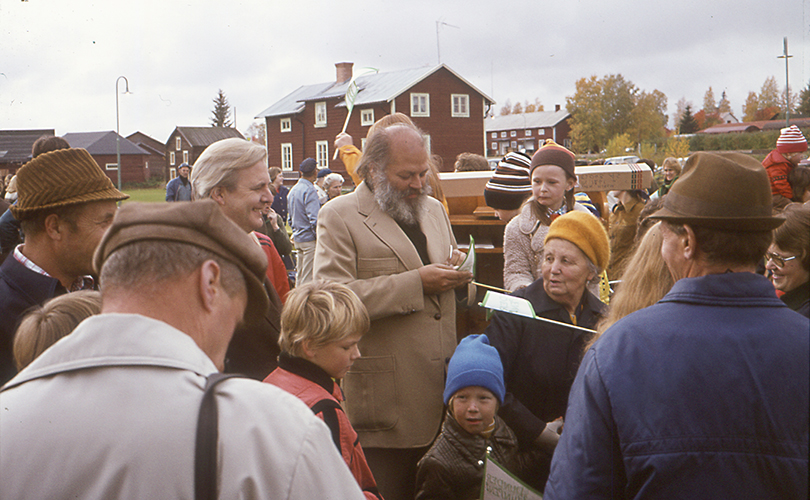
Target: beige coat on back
(394,391)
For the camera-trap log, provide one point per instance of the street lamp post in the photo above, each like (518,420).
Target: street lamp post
(118,127)
(786,56)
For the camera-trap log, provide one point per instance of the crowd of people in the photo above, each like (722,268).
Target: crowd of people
(253,341)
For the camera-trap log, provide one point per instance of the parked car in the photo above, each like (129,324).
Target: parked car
(617,160)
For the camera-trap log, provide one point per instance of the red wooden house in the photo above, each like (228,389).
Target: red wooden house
(448,108)
(102,147)
(186,144)
(527,131)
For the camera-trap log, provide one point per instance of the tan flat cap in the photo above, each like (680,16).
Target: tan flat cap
(199,223)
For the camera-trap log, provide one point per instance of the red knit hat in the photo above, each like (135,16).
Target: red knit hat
(791,140)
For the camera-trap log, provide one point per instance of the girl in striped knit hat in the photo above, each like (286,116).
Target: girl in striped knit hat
(790,148)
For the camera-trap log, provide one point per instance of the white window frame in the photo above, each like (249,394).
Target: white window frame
(111,166)
(503,135)
(366,117)
(513,133)
(420,104)
(172,173)
(426,138)
(171,158)
(178,144)
(460,105)
(494,146)
(528,132)
(322,153)
(513,145)
(363,144)
(286,156)
(320,114)
(494,135)
(185,156)
(285,125)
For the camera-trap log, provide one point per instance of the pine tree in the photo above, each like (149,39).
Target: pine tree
(804,101)
(222,111)
(688,124)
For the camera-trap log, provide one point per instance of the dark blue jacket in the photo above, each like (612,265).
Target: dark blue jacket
(702,395)
(20,289)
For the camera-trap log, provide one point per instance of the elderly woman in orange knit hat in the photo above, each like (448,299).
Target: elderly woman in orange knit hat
(540,359)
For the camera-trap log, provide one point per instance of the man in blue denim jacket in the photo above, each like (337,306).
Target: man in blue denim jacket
(304,206)
(704,394)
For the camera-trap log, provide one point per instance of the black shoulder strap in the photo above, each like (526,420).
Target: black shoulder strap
(329,409)
(205,456)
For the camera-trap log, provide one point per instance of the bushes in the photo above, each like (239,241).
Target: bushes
(745,141)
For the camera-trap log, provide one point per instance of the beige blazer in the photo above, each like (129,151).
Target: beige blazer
(394,391)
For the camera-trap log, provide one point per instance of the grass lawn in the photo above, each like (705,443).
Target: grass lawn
(153,195)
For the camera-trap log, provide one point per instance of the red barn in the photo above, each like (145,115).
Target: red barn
(102,147)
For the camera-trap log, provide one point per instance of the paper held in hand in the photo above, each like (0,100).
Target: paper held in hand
(500,484)
(520,307)
(469,261)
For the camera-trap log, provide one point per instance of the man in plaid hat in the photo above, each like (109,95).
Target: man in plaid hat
(704,394)
(790,149)
(65,204)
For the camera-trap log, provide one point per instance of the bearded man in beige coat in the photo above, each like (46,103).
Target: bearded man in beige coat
(394,247)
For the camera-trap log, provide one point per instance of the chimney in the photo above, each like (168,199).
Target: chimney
(344,71)
(556,107)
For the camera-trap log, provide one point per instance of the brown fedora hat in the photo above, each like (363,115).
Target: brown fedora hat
(200,223)
(728,191)
(60,178)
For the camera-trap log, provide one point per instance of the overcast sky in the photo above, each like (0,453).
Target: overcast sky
(59,60)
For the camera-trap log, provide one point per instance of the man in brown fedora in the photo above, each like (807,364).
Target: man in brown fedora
(65,204)
(112,410)
(704,394)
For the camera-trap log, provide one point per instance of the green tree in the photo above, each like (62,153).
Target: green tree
(618,145)
(709,106)
(724,106)
(750,107)
(688,124)
(769,95)
(600,109)
(222,111)
(804,101)
(649,117)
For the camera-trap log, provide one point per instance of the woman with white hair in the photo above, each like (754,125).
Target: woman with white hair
(332,184)
(233,172)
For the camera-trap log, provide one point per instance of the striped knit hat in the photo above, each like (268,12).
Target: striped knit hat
(60,178)
(510,184)
(791,140)
(552,153)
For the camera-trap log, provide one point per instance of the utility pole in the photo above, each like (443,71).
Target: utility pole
(786,56)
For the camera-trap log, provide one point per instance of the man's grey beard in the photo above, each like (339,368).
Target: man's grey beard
(396,203)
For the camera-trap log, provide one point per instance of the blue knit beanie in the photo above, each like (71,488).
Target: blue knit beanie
(475,362)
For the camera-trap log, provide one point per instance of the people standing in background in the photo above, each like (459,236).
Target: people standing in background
(279,205)
(788,258)
(304,205)
(320,187)
(623,226)
(333,183)
(671,169)
(179,188)
(790,149)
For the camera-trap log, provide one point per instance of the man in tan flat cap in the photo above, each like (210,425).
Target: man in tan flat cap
(114,407)
(65,204)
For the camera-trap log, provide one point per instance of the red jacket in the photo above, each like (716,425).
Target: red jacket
(778,169)
(322,394)
(276,271)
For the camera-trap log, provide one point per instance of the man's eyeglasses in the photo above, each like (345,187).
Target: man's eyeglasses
(778,259)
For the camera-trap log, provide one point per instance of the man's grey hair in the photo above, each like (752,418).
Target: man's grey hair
(377,153)
(219,163)
(141,265)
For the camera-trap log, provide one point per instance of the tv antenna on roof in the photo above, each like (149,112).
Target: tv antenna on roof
(438,48)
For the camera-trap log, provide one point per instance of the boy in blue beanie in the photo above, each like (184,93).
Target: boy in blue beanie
(453,468)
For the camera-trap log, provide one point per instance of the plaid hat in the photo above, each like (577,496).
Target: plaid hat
(308,166)
(791,140)
(475,363)
(60,178)
(586,232)
(510,184)
(198,223)
(552,153)
(726,191)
